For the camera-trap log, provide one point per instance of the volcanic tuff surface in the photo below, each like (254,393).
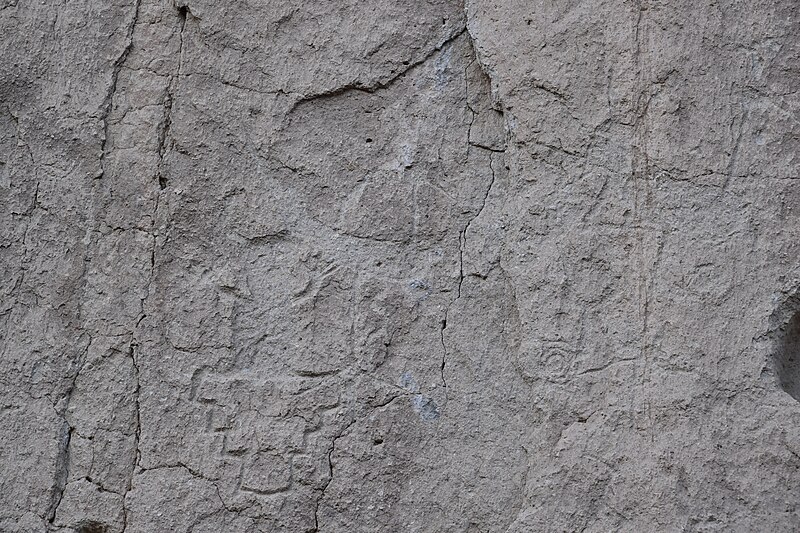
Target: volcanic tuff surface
(376,266)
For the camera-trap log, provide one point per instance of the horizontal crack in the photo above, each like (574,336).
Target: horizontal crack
(371,88)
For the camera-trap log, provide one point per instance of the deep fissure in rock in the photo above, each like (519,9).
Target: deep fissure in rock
(787,357)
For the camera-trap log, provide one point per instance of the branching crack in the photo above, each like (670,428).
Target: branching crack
(462,247)
(463,234)
(163,136)
(65,437)
(380,84)
(137,432)
(108,102)
(331,449)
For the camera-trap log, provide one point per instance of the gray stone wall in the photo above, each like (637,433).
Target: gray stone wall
(376,266)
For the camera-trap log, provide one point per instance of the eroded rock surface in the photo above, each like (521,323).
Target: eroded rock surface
(370,266)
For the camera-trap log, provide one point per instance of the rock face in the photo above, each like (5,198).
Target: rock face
(379,266)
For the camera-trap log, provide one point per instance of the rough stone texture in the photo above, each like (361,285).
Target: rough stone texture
(370,266)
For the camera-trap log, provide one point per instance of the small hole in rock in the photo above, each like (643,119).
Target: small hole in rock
(92,527)
(787,358)
(377,441)
(369,140)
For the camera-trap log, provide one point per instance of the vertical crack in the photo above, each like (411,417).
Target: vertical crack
(64,439)
(137,431)
(640,174)
(641,166)
(463,234)
(462,247)
(444,351)
(169,99)
(62,470)
(331,449)
(108,101)
(163,137)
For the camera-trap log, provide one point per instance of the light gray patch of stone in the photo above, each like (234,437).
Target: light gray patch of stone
(424,406)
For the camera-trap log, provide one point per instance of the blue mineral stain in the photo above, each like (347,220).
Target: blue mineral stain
(408,382)
(425,407)
(423,287)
